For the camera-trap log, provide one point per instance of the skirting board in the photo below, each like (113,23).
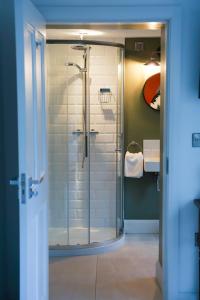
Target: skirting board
(141,226)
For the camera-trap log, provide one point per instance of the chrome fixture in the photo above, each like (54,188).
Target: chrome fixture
(153,61)
(71,64)
(32,182)
(105,96)
(83,70)
(92,131)
(79,47)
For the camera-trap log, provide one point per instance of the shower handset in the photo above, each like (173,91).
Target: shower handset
(85,143)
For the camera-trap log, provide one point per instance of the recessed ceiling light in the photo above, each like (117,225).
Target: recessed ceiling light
(83,32)
(153,25)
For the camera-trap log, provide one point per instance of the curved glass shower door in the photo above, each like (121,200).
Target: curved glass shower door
(85,143)
(106,144)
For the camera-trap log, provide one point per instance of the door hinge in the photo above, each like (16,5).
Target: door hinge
(21,184)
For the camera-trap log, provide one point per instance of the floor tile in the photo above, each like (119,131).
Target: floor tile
(72,278)
(129,273)
(124,274)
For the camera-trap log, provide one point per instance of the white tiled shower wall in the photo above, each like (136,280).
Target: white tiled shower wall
(68,182)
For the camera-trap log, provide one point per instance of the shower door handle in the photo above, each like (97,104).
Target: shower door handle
(85,149)
(86,145)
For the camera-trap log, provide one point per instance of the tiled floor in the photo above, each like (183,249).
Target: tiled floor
(125,274)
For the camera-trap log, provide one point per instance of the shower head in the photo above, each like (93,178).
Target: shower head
(71,64)
(80,47)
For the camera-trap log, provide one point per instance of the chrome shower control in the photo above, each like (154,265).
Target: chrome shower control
(93,131)
(78,131)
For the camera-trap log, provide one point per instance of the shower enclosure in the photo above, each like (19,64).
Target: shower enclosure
(85,135)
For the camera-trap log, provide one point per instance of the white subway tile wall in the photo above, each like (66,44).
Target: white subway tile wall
(68,181)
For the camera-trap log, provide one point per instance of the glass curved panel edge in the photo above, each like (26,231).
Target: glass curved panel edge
(85,135)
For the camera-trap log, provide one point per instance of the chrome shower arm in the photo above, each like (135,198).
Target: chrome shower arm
(71,64)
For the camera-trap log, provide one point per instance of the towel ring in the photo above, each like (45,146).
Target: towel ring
(134,144)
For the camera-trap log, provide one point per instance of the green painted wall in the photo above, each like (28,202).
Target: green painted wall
(141,200)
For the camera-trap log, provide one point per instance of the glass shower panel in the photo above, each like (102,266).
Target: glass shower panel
(119,145)
(57,145)
(77,145)
(103,128)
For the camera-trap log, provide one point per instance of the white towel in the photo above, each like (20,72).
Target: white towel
(133,166)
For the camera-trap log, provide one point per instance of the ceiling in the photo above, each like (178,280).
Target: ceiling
(99,2)
(99,33)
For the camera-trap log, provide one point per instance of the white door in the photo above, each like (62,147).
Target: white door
(33,195)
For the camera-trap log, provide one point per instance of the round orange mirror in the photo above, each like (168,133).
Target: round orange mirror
(151,91)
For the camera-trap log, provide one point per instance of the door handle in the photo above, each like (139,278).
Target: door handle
(37,181)
(118,150)
(31,191)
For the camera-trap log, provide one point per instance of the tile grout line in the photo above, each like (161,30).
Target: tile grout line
(96,279)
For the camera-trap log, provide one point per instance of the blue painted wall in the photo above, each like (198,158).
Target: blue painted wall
(9,209)
(90,3)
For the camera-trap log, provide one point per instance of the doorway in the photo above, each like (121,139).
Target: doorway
(54,30)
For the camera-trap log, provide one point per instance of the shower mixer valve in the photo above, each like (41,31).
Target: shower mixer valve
(79,131)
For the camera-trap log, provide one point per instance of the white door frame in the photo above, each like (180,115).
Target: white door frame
(171,15)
